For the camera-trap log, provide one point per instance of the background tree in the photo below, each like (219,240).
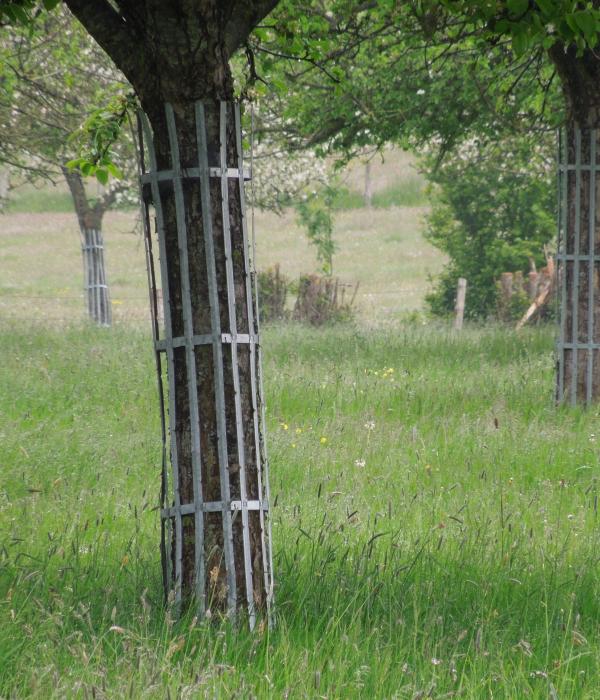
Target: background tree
(562,34)
(494,209)
(480,119)
(568,31)
(46,92)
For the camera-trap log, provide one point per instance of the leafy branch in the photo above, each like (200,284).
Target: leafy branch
(97,136)
(23,11)
(313,211)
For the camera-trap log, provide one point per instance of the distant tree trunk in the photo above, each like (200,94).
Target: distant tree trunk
(4,183)
(368,184)
(95,282)
(578,371)
(177,54)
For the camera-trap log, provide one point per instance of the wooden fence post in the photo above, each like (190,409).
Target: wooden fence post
(459,309)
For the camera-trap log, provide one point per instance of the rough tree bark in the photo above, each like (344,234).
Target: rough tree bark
(92,247)
(178,52)
(580,77)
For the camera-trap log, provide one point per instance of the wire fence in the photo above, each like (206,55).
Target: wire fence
(121,298)
(136,309)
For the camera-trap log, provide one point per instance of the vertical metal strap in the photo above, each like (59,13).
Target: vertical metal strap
(217,355)
(190,358)
(94,273)
(591,252)
(263,443)
(169,351)
(564,175)
(557,360)
(577,253)
(90,292)
(239,423)
(86,272)
(144,211)
(253,358)
(97,314)
(106,291)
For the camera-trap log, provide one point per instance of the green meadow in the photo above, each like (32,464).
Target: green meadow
(434,523)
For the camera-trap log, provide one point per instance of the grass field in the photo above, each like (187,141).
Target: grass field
(435,530)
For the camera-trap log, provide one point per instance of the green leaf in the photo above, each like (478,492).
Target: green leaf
(566,31)
(50,4)
(572,22)
(102,176)
(517,7)
(74,163)
(547,42)
(280,85)
(113,170)
(586,23)
(20,13)
(519,44)
(87,168)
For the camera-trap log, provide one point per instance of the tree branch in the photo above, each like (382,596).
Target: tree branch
(112,32)
(246,15)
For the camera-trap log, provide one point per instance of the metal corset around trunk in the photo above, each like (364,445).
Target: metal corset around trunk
(578,255)
(95,285)
(172,509)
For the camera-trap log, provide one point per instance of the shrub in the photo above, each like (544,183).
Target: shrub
(493,209)
(321,300)
(272,292)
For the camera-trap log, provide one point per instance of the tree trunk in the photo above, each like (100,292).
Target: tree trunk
(4,184)
(578,370)
(176,55)
(368,184)
(95,282)
(213,399)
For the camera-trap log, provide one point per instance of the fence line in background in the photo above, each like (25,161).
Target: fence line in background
(82,296)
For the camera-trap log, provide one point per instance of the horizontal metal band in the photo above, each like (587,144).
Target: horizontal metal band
(92,286)
(92,247)
(578,346)
(181,342)
(194,174)
(582,168)
(212,507)
(582,257)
